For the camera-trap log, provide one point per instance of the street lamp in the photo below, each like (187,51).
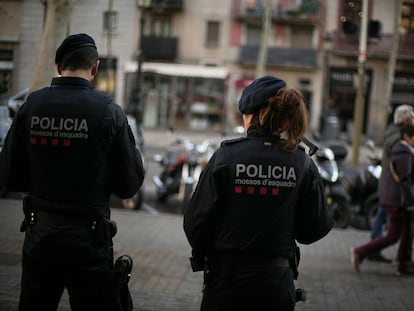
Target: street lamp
(137,107)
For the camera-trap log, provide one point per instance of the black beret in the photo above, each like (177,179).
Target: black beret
(71,43)
(257,93)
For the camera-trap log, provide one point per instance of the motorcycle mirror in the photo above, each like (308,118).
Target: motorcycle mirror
(158,158)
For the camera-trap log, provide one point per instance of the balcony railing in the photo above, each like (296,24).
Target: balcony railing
(159,48)
(287,57)
(167,5)
(377,47)
(280,14)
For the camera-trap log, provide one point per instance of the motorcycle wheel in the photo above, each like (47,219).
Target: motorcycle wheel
(341,213)
(162,196)
(370,210)
(135,202)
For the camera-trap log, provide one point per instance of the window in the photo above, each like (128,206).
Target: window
(213,33)
(161,26)
(351,16)
(301,37)
(6,66)
(407,19)
(254,35)
(110,21)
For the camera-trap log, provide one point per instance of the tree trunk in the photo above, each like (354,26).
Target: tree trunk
(55,29)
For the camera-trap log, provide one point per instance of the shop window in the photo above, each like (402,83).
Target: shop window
(213,33)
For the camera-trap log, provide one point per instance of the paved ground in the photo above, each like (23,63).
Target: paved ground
(162,279)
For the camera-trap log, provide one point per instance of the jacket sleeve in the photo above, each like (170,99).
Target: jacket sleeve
(313,218)
(14,160)
(403,163)
(199,216)
(127,167)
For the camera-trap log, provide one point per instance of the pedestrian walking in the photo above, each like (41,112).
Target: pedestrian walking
(257,195)
(403,114)
(69,148)
(396,195)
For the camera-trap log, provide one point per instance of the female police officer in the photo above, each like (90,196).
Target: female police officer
(70,147)
(257,195)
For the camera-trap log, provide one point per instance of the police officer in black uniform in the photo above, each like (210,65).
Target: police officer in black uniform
(257,195)
(69,148)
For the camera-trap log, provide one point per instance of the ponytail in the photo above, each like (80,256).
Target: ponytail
(286,113)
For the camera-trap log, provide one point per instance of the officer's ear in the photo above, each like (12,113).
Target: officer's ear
(59,69)
(95,68)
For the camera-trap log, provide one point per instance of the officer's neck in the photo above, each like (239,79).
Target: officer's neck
(85,74)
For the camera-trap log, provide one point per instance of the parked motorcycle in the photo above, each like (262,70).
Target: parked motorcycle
(362,187)
(181,169)
(337,198)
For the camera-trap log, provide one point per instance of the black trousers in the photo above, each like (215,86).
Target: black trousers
(249,289)
(58,256)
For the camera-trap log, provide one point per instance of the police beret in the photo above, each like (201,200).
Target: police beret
(71,43)
(257,94)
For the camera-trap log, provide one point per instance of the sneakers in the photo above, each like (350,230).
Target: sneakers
(379,258)
(355,260)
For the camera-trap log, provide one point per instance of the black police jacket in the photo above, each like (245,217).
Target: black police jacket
(69,143)
(238,203)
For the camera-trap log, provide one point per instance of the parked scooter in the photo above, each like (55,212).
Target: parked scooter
(337,198)
(182,166)
(362,187)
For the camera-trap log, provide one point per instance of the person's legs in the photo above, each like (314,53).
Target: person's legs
(90,286)
(252,289)
(396,222)
(377,231)
(41,287)
(405,246)
(379,222)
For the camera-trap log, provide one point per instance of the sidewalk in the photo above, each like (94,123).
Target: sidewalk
(162,279)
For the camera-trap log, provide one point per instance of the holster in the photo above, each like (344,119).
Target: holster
(294,263)
(30,216)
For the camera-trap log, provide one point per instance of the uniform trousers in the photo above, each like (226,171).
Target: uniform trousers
(246,289)
(57,256)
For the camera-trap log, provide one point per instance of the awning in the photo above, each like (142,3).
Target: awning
(180,70)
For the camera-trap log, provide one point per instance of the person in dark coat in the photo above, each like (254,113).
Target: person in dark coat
(257,196)
(396,194)
(403,114)
(69,148)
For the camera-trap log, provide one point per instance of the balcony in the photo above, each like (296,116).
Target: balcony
(377,48)
(159,48)
(285,57)
(167,5)
(302,15)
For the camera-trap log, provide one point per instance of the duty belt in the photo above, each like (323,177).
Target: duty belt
(256,261)
(67,220)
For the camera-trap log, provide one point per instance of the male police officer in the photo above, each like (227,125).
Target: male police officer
(70,147)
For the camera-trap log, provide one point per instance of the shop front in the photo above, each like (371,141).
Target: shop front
(341,101)
(182,96)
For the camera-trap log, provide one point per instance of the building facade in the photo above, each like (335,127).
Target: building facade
(197,56)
